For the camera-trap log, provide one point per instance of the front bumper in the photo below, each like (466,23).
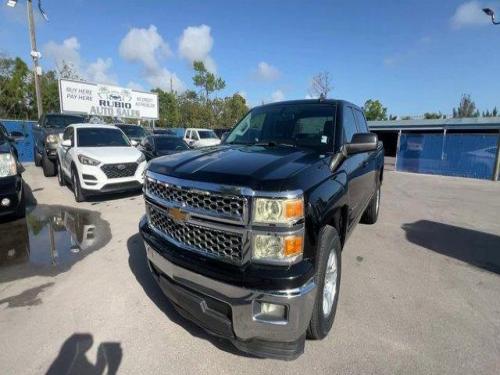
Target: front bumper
(232,312)
(10,188)
(93,179)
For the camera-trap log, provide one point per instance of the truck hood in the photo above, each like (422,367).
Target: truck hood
(257,167)
(110,155)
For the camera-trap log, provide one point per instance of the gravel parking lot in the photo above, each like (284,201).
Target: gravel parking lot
(420,290)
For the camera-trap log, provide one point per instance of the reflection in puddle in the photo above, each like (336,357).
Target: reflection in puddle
(49,241)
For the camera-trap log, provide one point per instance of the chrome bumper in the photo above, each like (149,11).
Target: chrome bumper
(245,322)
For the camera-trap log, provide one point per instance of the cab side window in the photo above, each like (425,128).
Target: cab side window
(195,135)
(188,134)
(362,125)
(349,124)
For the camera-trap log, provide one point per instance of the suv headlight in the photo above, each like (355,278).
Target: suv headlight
(278,211)
(141,158)
(8,165)
(52,138)
(85,160)
(277,248)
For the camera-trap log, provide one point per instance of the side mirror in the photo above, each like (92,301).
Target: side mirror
(362,142)
(134,143)
(66,143)
(16,136)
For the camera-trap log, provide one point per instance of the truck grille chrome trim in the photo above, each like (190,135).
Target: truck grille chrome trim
(222,244)
(216,205)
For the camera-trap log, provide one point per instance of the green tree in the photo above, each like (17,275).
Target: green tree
(466,108)
(16,98)
(168,104)
(235,107)
(207,81)
(433,115)
(374,110)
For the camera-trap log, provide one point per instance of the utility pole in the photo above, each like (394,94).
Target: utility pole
(37,70)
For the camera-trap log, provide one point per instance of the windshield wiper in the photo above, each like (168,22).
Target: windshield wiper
(273,144)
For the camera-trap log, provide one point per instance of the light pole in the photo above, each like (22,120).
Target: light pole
(491,13)
(35,55)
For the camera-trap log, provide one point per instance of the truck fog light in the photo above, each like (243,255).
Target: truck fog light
(5,202)
(271,312)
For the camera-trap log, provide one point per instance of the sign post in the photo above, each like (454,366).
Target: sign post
(106,100)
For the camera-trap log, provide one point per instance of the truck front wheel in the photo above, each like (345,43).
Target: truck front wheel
(328,270)
(48,166)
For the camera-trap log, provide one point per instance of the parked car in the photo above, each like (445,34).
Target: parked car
(96,159)
(46,136)
(200,137)
(12,200)
(159,145)
(245,238)
(135,133)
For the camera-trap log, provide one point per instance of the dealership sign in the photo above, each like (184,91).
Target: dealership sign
(105,100)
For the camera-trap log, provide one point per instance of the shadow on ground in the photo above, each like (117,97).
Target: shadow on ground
(138,264)
(72,357)
(477,248)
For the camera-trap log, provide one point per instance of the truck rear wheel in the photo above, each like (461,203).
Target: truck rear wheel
(370,215)
(37,158)
(328,270)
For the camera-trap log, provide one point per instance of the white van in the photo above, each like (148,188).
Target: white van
(200,137)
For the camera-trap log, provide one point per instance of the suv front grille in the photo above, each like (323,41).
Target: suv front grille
(222,244)
(212,203)
(119,170)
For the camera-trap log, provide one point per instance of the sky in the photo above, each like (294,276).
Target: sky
(414,56)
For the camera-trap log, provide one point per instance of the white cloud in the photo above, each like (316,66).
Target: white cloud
(469,14)
(145,46)
(277,96)
(68,52)
(195,44)
(148,48)
(135,86)
(267,72)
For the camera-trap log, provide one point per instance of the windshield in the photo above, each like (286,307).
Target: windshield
(101,137)
(169,144)
(204,134)
(133,131)
(61,121)
(304,125)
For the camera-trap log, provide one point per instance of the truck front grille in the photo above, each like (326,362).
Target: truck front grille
(215,242)
(212,203)
(119,170)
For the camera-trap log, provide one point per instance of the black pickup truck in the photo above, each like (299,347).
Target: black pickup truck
(245,238)
(46,135)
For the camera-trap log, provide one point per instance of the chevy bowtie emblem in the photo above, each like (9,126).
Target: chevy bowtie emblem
(178,215)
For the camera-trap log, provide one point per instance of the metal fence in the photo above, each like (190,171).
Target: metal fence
(464,155)
(25,145)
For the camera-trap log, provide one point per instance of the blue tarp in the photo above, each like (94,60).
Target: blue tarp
(464,155)
(24,146)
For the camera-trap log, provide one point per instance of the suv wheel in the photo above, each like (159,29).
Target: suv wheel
(48,166)
(36,157)
(77,189)
(60,174)
(328,266)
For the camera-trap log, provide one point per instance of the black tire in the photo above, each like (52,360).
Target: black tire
(21,207)
(329,243)
(48,166)
(77,189)
(370,215)
(60,174)
(37,157)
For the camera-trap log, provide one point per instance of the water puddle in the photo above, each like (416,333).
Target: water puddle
(49,241)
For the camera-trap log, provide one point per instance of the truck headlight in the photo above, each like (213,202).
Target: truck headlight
(276,248)
(278,211)
(52,139)
(85,160)
(8,165)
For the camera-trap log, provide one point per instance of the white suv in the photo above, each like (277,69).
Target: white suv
(97,158)
(201,137)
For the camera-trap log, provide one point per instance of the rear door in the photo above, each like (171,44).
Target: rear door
(369,161)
